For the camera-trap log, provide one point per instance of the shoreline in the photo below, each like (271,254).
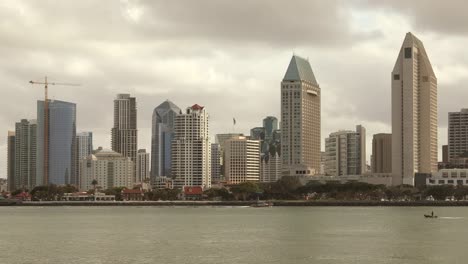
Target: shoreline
(296,203)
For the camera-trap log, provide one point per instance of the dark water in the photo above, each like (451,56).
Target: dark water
(232,235)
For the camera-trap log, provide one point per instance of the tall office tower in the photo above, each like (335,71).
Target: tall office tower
(457,133)
(215,163)
(300,120)
(142,166)
(11,160)
(414,113)
(345,152)
(109,168)
(242,160)
(381,161)
(25,154)
(61,143)
(445,154)
(161,138)
(84,148)
(270,124)
(257,133)
(124,132)
(191,158)
(270,168)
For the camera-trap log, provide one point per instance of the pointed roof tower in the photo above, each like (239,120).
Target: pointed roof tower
(299,70)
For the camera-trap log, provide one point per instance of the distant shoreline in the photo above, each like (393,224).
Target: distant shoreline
(240,203)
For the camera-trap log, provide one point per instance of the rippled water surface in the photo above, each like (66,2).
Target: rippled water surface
(232,235)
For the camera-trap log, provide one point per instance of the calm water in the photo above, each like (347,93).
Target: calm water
(232,235)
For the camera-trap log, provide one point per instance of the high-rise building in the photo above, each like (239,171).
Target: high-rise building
(221,139)
(300,120)
(270,168)
(25,154)
(11,160)
(457,133)
(381,160)
(142,166)
(61,142)
(124,132)
(84,148)
(242,160)
(109,168)
(215,163)
(257,133)
(414,113)
(445,155)
(161,138)
(191,158)
(345,152)
(270,124)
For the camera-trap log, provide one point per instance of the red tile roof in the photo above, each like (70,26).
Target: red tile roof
(197,107)
(193,190)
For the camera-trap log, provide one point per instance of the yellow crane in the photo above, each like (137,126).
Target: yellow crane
(46,84)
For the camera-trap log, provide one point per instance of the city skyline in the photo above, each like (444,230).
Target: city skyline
(259,73)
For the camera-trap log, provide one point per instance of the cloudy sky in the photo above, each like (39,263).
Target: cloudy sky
(229,56)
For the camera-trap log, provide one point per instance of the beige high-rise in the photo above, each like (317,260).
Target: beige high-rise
(300,120)
(414,113)
(242,160)
(381,160)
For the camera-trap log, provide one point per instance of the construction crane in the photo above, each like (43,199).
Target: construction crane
(46,84)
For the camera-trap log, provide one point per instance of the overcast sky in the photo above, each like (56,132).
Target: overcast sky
(229,56)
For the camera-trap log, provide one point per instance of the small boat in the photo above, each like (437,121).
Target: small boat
(430,215)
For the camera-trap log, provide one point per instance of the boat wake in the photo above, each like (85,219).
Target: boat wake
(451,217)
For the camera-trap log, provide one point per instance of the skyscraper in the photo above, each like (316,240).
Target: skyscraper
(457,133)
(215,162)
(61,142)
(414,113)
(84,148)
(124,132)
(381,153)
(345,152)
(25,154)
(270,123)
(191,159)
(161,138)
(300,120)
(11,160)
(142,166)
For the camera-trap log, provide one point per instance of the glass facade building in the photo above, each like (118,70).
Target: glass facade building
(161,138)
(62,142)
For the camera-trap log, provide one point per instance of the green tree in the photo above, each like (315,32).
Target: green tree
(245,190)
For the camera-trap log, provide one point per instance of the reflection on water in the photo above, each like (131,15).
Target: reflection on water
(232,235)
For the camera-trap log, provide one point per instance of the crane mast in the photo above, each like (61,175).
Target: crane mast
(46,84)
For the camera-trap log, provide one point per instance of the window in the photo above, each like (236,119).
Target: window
(450,181)
(408,53)
(396,77)
(441,182)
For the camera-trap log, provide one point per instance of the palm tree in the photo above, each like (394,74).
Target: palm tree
(94,183)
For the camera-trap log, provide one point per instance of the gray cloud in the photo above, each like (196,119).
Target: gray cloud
(225,55)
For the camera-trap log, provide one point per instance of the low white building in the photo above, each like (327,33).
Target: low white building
(109,168)
(448,176)
(162,182)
